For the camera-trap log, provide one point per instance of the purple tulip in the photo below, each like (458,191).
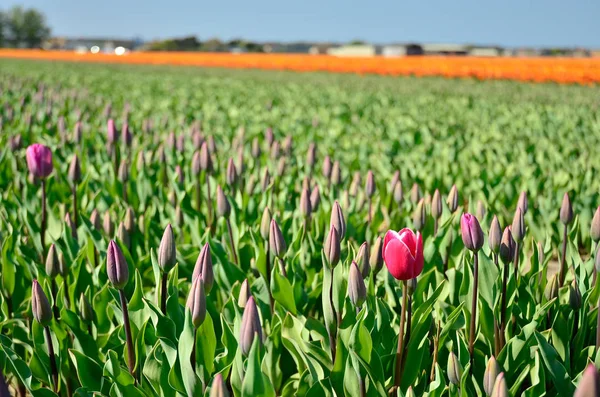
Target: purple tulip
(39,160)
(472,234)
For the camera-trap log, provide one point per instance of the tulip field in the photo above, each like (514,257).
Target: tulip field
(203,232)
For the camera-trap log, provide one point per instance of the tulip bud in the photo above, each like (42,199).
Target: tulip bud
(223,206)
(480,211)
(116,266)
(240,167)
(566,210)
(500,389)
(196,166)
(266,180)
(251,327)
(540,252)
(362,260)
(179,218)
(74,173)
(453,199)
(129,221)
(111,131)
(212,145)
(14,142)
(172,198)
(595,229)
(370,184)
(160,155)
(327,167)
(306,184)
(197,140)
(255,148)
(287,144)
(171,138)
(40,307)
(52,264)
(231,173)
(398,194)
(551,290)
(507,246)
(315,199)
(410,392)
(179,176)
(454,369)
(357,292)
(95,219)
(305,203)
(69,222)
(167,254)
(276,241)
(574,296)
(85,309)
(281,167)
(123,173)
(523,203)
(419,215)
(126,136)
(39,160)
(337,220)
(518,226)
(275,150)
(376,260)
(415,193)
(218,388)
(77,132)
(589,384)
(269,137)
(205,160)
(204,268)
(336,174)
(180,143)
(332,247)
(355,184)
(495,235)
(196,302)
(123,235)
(436,204)
(490,375)
(311,155)
(597,260)
(265,223)
(471,232)
(395,179)
(244,294)
(63,267)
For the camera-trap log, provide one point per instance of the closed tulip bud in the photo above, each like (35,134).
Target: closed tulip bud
(507,246)
(327,166)
(244,294)
(275,150)
(69,222)
(129,221)
(453,199)
(540,252)
(218,388)
(167,254)
(398,194)
(362,260)
(281,167)
(77,132)
(95,220)
(395,179)
(574,296)
(489,377)
(197,140)
(52,264)
(111,131)
(205,159)
(179,175)
(108,225)
(180,143)
(566,210)
(357,292)
(410,392)
(196,167)
(179,218)
(116,266)
(495,235)
(411,286)
(551,290)
(311,155)
(126,136)
(231,173)
(204,268)
(269,137)
(141,223)
(85,309)
(355,184)
(160,155)
(123,173)
(240,167)
(255,148)
(287,144)
(266,180)
(223,206)
(39,160)
(196,302)
(589,384)
(74,170)
(265,223)
(597,260)
(305,207)
(315,199)
(415,193)
(376,259)
(276,241)
(141,161)
(337,220)
(251,327)
(480,211)
(518,226)
(123,235)
(63,267)
(172,198)
(171,138)
(419,215)
(500,389)
(454,369)
(523,204)
(370,184)
(212,144)
(436,204)
(595,229)
(14,142)
(471,232)
(332,247)
(306,185)
(40,307)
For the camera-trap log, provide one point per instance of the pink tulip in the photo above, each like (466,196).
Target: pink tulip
(39,160)
(403,253)
(471,232)
(111,131)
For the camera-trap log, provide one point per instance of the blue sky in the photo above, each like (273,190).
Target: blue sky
(503,22)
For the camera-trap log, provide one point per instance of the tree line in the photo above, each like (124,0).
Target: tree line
(23,28)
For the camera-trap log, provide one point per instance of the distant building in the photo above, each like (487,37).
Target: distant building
(485,51)
(526,52)
(359,50)
(445,49)
(399,50)
(79,44)
(320,49)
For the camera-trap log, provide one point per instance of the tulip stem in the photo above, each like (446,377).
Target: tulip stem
(54,296)
(208,200)
(436,341)
(474,306)
(503,308)
(268,275)
(52,358)
(332,333)
(370,209)
(129,339)
(516,261)
(75,221)
(407,333)
(198,197)
(235,257)
(563,257)
(163,294)
(401,345)
(193,356)
(44,220)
